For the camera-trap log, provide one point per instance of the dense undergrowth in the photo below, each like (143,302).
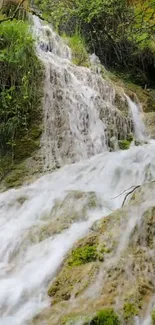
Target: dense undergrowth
(121,33)
(20,95)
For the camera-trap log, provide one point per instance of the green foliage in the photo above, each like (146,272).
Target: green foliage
(122,35)
(130,310)
(79,52)
(124,144)
(83,255)
(153,317)
(20,93)
(106,316)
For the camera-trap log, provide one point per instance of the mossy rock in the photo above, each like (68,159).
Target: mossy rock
(106,316)
(153,317)
(130,310)
(74,207)
(128,273)
(72,281)
(16,176)
(74,319)
(149,119)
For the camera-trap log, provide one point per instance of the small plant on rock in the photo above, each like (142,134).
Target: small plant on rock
(106,316)
(83,255)
(124,144)
(130,310)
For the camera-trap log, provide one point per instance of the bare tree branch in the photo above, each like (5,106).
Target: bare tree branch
(135,188)
(129,194)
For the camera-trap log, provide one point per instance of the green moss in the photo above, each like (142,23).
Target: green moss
(106,316)
(124,144)
(92,202)
(79,52)
(15,177)
(153,317)
(74,319)
(104,249)
(130,310)
(83,255)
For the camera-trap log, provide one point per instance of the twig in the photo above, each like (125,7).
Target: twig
(130,193)
(122,193)
(135,188)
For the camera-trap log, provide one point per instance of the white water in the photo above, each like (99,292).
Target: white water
(27,264)
(139,126)
(81,116)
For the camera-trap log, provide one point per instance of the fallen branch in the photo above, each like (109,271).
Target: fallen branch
(115,197)
(135,188)
(129,194)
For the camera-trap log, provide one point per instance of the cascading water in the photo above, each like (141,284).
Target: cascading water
(80,109)
(28,260)
(139,126)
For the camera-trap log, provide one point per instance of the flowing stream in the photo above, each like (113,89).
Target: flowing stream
(28,262)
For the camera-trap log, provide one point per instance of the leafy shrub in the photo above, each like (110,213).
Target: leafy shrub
(106,316)
(20,94)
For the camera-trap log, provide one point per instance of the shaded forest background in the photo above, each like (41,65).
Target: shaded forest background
(120,32)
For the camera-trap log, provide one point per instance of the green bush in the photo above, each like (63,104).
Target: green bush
(20,88)
(122,35)
(83,255)
(106,316)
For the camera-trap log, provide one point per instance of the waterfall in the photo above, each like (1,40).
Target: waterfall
(27,260)
(139,126)
(80,113)
(80,118)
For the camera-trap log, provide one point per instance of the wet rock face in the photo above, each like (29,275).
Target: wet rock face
(82,111)
(118,274)
(150,123)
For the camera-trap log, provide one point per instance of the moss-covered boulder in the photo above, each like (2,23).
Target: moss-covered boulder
(122,280)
